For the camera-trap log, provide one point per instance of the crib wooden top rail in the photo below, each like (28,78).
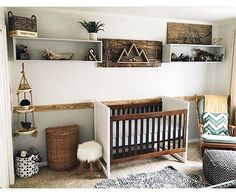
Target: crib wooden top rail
(148,115)
(132,102)
(144,104)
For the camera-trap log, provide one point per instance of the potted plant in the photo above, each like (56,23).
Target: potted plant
(92,27)
(26,125)
(25,104)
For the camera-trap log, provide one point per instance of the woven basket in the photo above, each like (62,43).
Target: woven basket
(22,26)
(62,145)
(22,23)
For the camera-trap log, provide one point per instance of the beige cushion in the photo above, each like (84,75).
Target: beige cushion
(216,104)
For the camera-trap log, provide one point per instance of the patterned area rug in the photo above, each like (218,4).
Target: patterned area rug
(168,177)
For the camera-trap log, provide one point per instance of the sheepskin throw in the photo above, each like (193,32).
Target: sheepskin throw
(89,151)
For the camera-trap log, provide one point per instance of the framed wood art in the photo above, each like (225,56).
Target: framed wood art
(182,33)
(131,53)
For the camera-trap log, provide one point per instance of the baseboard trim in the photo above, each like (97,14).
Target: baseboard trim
(44,163)
(193,140)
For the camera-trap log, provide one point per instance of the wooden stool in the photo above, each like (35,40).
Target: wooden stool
(89,152)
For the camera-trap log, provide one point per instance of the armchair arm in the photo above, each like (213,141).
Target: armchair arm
(200,127)
(232,130)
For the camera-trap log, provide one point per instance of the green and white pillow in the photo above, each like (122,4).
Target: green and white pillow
(215,123)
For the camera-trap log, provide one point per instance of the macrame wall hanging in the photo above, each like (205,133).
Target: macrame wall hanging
(25,109)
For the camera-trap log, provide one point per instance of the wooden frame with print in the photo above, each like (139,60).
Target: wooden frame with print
(182,33)
(131,53)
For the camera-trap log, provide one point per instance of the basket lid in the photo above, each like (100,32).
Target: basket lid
(64,130)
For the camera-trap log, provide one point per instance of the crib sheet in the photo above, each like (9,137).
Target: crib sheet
(144,131)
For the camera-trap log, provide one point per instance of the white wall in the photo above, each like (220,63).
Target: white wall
(65,82)
(2,16)
(226,31)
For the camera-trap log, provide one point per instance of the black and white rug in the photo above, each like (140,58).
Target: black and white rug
(168,177)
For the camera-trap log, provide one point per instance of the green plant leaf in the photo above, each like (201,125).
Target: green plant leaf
(92,26)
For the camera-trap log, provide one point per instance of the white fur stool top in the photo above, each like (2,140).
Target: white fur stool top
(89,151)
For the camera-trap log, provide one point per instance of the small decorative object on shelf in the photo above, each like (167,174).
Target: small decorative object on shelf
(92,27)
(50,55)
(201,56)
(25,108)
(22,26)
(204,56)
(22,52)
(91,56)
(193,53)
(182,57)
(25,104)
(217,41)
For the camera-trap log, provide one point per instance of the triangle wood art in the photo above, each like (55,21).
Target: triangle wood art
(126,57)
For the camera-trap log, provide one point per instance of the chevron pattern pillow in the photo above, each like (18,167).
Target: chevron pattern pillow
(215,123)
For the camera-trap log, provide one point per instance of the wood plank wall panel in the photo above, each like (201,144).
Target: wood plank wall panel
(183,33)
(112,50)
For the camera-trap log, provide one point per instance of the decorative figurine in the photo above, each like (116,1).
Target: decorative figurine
(22,52)
(91,56)
(49,54)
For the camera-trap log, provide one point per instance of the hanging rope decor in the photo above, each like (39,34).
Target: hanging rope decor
(25,110)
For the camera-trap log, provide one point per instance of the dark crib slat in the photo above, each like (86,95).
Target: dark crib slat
(153,132)
(133,110)
(164,133)
(117,138)
(137,110)
(174,132)
(147,134)
(141,137)
(123,138)
(130,135)
(179,131)
(143,110)
(169,131)
(135,137)
(158,133)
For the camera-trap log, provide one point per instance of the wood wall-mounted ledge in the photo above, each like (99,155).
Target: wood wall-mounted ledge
(89,105)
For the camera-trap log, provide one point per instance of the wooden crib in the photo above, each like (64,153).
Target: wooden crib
(141,130)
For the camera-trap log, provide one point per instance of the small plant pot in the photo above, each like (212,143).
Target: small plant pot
(26,125)
(25,107)
(25,104)
(93,36)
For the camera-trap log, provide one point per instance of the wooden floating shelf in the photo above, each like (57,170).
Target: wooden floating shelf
(21,131)
(89,105)
(21,110)
(21,91)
